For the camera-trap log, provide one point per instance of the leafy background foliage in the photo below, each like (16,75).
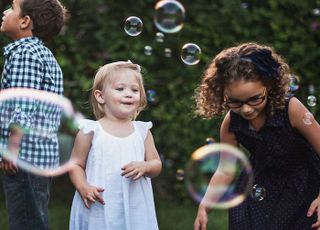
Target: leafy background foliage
(94,35)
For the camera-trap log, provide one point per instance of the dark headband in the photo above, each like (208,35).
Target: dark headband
(264,63)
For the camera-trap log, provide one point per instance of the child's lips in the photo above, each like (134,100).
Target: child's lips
(248,114)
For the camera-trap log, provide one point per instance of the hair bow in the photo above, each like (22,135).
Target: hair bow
(264,63)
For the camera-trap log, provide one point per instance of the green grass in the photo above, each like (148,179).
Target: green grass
(172,215)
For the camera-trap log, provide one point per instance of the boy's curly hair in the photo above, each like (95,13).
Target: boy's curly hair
(247,62)
(48,17)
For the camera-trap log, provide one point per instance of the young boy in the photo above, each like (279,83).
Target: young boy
(29,64)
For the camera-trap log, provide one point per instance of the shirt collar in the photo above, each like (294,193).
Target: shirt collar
(8,48)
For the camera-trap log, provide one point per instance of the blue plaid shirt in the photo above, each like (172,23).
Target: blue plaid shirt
(30,64)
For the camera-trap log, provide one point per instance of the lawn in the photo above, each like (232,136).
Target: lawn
(172,215)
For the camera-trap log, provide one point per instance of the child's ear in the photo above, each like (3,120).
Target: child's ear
(25,23)
(98,95)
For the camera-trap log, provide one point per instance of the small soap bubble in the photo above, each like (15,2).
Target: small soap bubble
(316,12)
(244,5)
(210,140)
(311,88)
(159,37)
(180,174)
(190,54)
(294,83)
(151,95)
(312,101)
(167,52)
(169,16)
(133,26)
(258,192)
(148,50)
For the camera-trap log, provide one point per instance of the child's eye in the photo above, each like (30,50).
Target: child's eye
(254,99)
(119,88)
(135,90)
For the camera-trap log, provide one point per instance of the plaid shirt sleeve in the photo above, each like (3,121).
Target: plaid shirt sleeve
(25,72)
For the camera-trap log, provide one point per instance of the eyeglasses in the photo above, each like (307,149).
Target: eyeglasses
(254,101)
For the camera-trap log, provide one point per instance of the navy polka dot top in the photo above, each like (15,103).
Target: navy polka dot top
(285,165)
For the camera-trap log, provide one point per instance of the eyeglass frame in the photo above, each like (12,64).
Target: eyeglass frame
(247,102)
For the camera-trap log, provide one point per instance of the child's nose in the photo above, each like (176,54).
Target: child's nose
(246,108)
(128,93)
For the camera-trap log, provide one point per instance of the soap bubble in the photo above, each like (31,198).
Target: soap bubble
(169,16)
(231,170)
(133,26)
(312,101)
(190,54)
(37,119)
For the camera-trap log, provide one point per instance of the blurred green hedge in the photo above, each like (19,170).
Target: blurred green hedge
(94,35)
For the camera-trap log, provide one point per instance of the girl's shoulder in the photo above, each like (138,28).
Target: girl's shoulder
(87,126)
(145,124)
(143,127)
(297,112)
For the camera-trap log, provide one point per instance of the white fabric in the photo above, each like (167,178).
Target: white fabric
(129,205)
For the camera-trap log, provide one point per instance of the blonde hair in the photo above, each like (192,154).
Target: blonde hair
(106,74)
(238,63)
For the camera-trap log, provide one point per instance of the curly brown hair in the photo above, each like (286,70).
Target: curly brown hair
(48,17)
(247,62)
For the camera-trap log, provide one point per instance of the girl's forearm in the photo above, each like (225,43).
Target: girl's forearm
(78,177)
(153,168)
(216,188)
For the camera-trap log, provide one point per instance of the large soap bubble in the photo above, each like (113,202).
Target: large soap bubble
(41,126)
(169,16)
(230,169)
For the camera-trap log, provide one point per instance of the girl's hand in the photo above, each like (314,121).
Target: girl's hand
(134,169)
(315,208)
(201,220)
(90,194)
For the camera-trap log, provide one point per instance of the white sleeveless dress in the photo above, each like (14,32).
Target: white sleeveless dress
(129,204)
